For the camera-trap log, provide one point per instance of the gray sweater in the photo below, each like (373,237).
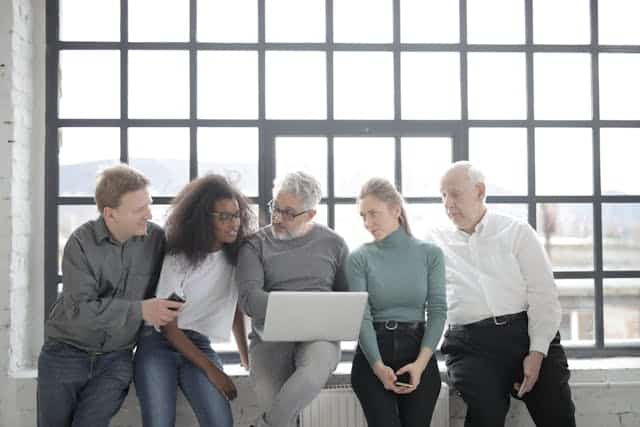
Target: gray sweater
(312,262)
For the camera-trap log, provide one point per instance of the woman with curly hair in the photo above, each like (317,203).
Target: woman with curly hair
(207,222)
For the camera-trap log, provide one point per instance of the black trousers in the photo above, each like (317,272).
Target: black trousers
(483,362)
(383,408)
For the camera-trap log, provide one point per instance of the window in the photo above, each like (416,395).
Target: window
(541,96)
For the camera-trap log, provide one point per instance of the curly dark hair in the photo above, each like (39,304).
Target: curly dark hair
(189,227)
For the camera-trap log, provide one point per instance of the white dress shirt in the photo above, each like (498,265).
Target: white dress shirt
(500,269)
(210,291)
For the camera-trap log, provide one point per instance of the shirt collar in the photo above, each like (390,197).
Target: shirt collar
(100,230)
(393,239)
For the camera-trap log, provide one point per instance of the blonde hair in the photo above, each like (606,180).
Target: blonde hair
(113,182)
(385,191)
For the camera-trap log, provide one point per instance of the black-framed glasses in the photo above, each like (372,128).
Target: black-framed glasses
(286,215)
(226,216)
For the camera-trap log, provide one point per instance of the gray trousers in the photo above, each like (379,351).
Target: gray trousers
(287,376)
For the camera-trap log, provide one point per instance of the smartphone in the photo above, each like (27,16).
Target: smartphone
(403,380)
(177,298)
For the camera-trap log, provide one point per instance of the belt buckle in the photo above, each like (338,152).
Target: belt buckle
(390,325)
(499,322)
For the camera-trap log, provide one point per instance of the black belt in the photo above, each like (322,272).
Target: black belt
(392,325)
(493,321)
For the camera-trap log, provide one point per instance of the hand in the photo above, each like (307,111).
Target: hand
(531,367)
(222,382)
(159,312)
(244,361)
(387,377)
(415,370)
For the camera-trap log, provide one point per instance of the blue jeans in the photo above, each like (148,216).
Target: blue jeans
(160,369)
(77,388)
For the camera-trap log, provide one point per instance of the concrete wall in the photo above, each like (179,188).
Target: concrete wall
(606,395)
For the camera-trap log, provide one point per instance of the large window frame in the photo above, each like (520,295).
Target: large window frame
(458,130)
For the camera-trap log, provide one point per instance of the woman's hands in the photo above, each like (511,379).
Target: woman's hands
(222,382)
(388,377)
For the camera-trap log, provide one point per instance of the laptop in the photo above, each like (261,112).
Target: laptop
(311,316)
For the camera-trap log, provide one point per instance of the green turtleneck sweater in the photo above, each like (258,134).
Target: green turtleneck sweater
(405,278)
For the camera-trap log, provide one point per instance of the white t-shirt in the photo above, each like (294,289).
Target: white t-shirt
(210,290)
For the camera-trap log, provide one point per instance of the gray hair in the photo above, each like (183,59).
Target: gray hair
(301,185)
(383,190)
(474,174)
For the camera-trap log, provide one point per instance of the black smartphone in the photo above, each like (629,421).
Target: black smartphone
(175,297)
(404,380)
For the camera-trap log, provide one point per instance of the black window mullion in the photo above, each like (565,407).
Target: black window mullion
(193,90)
(124,80)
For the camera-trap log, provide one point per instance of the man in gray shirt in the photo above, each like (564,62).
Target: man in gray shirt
(109,265)
(292,254)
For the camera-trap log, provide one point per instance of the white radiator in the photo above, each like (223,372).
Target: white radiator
(338,406)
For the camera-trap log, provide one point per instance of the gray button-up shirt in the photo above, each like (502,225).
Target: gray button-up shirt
(100,309)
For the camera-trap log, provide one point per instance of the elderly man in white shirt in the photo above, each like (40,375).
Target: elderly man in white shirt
(503,311)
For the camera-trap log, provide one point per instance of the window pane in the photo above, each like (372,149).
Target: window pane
(497,86)
(424,217)
(577,301)
(69,218)
(619,86)
(162,154)
(566,231)
(519,210)
(322,216)
(363,87)
(618,22)
(562,86)
(424,161)
(429,21)
(227,21)
(158,84)
(430,85)
(551,19)
(82,154)
(295,21)
(619,171)
(380,155)
(159,214)
(232,152)
(501,154)
(158,20)
(351,25)
(621,236)
(554,148)
(89,20)
(495,21)
(307,154)
(89,84)
(296,85)
(227,85)
(621,314)
(350,226)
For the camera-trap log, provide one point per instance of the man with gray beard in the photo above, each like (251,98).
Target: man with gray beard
(291,254)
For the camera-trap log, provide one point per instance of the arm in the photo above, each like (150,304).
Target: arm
(340,281)
(436,303)
(544,310)
(185,346)
(356,279)
(252,297)
(240,335)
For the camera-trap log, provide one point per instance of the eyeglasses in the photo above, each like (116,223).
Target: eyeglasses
(287,215)
(226,216)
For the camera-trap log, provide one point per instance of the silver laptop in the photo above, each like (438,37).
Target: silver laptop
(310,316)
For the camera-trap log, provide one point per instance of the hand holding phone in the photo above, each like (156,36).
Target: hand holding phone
(175,297)
(404,380)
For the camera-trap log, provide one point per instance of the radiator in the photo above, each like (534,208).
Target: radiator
(338,406)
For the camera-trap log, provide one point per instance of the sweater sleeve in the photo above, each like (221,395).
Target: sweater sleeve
(356,279)
(436,303)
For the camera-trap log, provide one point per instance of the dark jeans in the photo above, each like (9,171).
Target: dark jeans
(77,388)
(483,362)
(160,370)
(383,408)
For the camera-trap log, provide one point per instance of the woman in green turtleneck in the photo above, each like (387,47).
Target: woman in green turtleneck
(394,373)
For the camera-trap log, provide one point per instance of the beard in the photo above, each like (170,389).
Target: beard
(287,234)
